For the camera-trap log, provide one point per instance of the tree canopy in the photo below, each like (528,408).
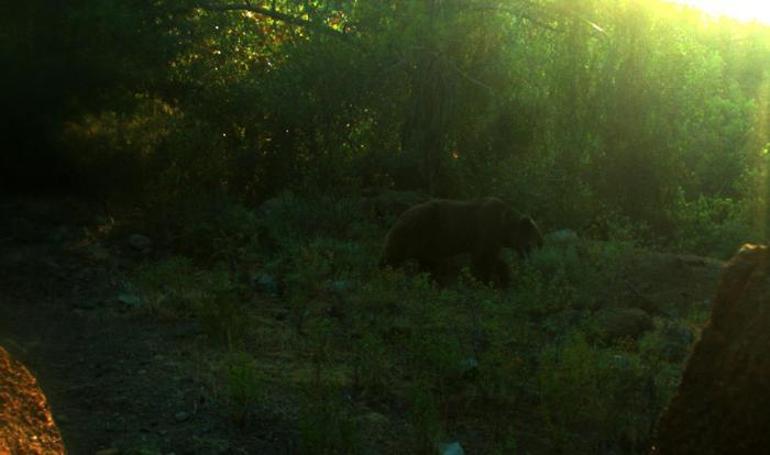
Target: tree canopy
(583,111)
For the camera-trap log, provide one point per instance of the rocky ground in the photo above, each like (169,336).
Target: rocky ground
(116,382)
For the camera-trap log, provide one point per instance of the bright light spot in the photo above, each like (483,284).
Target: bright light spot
(743,10)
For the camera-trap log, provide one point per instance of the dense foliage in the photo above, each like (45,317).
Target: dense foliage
(598,115)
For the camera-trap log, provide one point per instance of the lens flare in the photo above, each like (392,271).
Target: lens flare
(742,10)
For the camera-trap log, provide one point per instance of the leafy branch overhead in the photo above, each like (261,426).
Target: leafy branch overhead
(309,15)
(301,18)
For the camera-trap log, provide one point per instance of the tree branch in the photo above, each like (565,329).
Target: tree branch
(271,13)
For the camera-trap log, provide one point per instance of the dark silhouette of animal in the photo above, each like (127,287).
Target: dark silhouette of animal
(435,231)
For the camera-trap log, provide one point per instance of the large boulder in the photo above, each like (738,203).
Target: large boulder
(723,402)
(26,424)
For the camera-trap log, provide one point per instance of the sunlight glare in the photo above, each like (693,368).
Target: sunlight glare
(742,10)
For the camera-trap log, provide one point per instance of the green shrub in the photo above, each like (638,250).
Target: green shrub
(242,387)
(170,288)
(424,418)
(371,363)
(222,317)
(206,226)
(595,398)
(327,425)
(712,226)
(290,219)
(176,288)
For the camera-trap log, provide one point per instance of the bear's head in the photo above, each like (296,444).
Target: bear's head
(521,233)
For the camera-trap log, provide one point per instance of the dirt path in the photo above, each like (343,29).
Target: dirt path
(114,380)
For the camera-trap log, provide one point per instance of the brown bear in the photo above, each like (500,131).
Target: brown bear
(437,230)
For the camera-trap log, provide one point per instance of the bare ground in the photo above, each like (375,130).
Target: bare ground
(114,380)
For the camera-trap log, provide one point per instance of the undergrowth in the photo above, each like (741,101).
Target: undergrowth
(293,293)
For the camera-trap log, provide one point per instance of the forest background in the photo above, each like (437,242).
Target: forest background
(628,118)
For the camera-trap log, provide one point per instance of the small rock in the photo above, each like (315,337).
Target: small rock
(181,416)
(615,323)
(451,448)
(562,236)
(469,366)
(59,235)
(338,287)
(266,283)
(621,362)
(129,300)
(140,242)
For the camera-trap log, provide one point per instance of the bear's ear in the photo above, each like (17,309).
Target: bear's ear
(525,223)
(511,219)
(527,226)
